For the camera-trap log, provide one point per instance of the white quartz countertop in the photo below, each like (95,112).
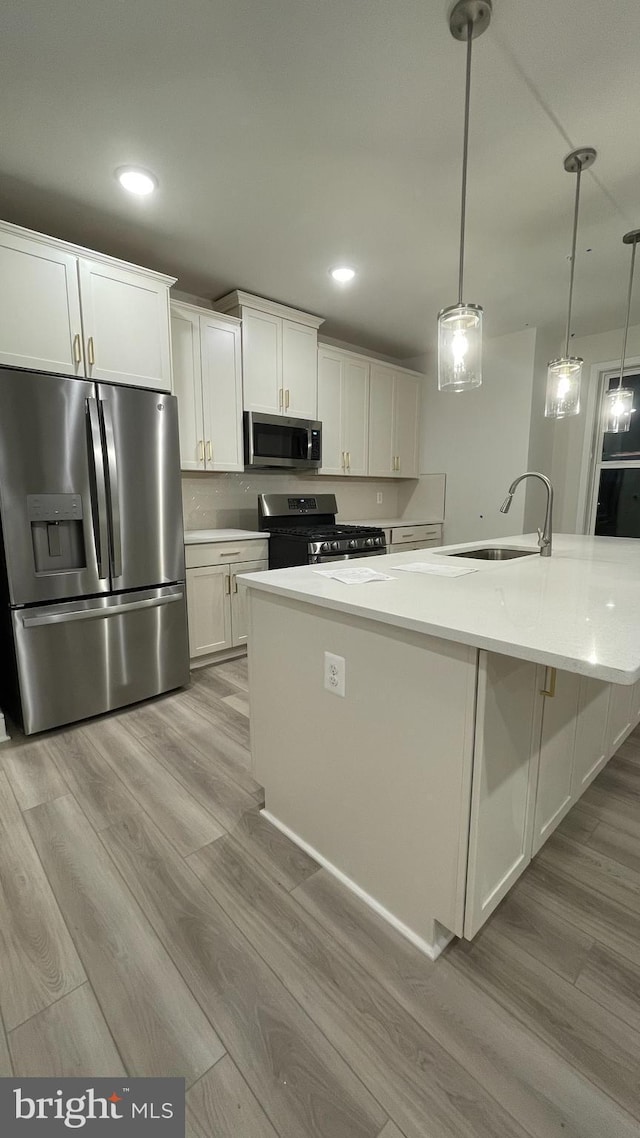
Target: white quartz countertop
(578,610)
(195,536)
(392,523)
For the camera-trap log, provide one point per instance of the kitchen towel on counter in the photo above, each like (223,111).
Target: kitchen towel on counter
(436,570)
(354,576)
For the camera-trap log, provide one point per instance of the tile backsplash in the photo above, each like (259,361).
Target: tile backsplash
(213,501)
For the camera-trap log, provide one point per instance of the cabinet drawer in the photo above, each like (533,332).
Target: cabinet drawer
(225,552)
(405,546)
(414,533)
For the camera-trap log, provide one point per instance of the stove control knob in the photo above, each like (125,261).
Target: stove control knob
(335,544)
(325,547)
(369,541)
(379,541)
(353,543)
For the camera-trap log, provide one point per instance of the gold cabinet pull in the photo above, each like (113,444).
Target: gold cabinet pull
(280,398)
(77,354)
(200,450)
(348,460)
(91,351)
(550,685)
(286,400)
(209,451)
(235,583)
(227,584)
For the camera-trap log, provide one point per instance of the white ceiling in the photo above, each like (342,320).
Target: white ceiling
(289,135)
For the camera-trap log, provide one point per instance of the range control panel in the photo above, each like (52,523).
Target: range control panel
(302,504)
(54,507)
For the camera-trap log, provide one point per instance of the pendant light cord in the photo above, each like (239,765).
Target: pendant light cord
(465,152)
(573,257)
(626,327)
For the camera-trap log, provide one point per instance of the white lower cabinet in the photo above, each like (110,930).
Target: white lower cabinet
(402,539)
(216,600)
(209,609)
(542,735)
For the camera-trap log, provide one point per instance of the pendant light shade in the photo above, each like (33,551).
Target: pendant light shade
(564,375)
(460,347)
(460,325)
(618,403)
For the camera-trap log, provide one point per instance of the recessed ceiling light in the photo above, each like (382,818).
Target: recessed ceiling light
(136,181)
(342,273)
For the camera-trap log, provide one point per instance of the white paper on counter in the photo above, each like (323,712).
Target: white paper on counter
(437,570)
(354,576)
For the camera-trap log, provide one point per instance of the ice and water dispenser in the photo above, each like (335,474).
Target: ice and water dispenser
(56,532)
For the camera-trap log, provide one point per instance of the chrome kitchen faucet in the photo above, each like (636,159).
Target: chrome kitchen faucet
(545,535)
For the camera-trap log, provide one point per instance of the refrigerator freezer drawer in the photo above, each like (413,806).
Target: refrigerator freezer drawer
(87,657)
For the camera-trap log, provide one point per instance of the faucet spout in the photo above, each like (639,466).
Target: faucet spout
(545,536)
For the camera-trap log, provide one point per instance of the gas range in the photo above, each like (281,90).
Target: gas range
(304,531)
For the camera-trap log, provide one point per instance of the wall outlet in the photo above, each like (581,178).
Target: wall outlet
(334,673)
(379,498)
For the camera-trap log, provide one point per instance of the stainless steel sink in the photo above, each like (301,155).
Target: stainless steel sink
(495,553)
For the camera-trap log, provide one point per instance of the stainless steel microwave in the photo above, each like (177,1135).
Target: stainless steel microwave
(274,440)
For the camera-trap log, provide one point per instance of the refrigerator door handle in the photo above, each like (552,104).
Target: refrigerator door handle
(114,496)
(99,613)
(100,532)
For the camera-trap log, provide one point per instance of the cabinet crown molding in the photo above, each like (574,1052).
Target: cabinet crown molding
(234,301)
(81,251)
(355,353)
(210,313)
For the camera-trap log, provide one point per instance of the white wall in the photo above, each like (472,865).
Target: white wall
(569,434)
(481,440)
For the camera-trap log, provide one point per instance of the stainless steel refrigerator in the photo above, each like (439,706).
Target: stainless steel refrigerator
(93,606)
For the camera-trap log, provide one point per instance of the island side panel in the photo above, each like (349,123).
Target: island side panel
(377,782)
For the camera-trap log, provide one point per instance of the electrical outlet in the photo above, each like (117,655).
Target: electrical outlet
(379,498)
(334,673)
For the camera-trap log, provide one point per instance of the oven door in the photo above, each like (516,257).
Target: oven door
(322,558)
(274,440)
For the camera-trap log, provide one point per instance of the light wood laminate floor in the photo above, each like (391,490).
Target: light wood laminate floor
(151,922)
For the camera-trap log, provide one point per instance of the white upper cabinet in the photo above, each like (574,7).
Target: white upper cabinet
(221,360)
(66,310)
(40,325)
(262,362)
(187,384)
(343,409)
(279,356)
(125,315)
(207,380)
(394,411)
(381,437)
(299,370)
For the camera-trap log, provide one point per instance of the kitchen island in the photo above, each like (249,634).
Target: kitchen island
(476,711)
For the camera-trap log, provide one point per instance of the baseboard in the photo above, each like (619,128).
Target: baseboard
(218,657)
(431,950)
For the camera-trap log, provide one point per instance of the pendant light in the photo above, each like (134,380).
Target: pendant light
(460,325)
(619,401)
(565,373)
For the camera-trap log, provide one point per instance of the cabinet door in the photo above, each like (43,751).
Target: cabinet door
(557,750)
(425,543)
(504,780)
(40,325)
(262,362)
(381,433)
(621,715)
(208,609)
(239,622)
(355,415)
(125,316)
(406,423)
(591,733)
(187,385)
(330,389)
(300,370)
(221,393)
